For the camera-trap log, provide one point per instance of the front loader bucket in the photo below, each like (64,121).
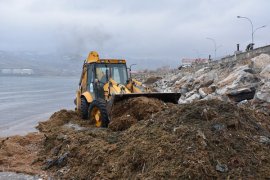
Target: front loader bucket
(165,97)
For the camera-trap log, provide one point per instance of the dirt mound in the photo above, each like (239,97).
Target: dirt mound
(128,112)
(20,153)
(60,118)
(206,139)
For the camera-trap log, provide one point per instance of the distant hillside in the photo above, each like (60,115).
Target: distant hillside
(68,64)
(42,64)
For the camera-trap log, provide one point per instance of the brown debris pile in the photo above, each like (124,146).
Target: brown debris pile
(205,139)
(130,111)
(20,154)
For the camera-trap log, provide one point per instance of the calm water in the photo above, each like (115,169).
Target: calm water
(24,101)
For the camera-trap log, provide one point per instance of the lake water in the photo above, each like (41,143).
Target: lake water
(24,101)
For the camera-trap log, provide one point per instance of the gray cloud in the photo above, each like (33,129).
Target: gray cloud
(153,30)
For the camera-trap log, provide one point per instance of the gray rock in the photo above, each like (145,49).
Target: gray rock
(210,97)
(59,161)
(263,93)
(217,127)
(237,82)
(234,75)
(261,61)
(182,101)
(61,137)
(201,71)
(49,163)
(264,140)
(222,168)
(242,102)
(241,94)
(75,127)
(183,90)
(190,93)
(205,91)
(265,73)
(62,160)
(193,98)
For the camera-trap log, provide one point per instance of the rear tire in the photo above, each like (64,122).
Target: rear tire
(84,108)
(98,113)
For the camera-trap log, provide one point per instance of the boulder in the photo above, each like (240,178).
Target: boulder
(238,95)
(183,80)
(177,83)
(182,101)
(213,87)
(259,62)
(263,93)
(184,90)
(212,96)
(190,93)
(206,79)
(237,80)
(193,98)
(265,73)
(205,91)
(207,83)
(201,71)
(234,76)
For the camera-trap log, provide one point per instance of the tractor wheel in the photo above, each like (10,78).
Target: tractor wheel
(84,108)
(98,113)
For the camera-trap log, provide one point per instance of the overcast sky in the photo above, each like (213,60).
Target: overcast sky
(161,30)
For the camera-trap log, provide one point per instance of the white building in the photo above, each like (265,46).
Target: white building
(17,71)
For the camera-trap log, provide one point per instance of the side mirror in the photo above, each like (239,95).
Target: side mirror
(107,74)
(129,75)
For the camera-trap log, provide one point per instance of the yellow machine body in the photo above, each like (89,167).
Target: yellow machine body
(133,86)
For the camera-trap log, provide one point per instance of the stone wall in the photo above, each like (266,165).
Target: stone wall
(248,55)
(235,57)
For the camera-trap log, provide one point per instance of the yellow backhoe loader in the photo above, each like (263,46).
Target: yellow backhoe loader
(106,81)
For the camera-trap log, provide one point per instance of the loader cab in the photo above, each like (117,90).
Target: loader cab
(99,74)
(117,72)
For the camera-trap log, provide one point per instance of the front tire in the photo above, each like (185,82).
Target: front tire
(98,113)
(84,108)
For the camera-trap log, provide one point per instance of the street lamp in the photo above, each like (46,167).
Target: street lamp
(252,39)
(252,28)
(258,28)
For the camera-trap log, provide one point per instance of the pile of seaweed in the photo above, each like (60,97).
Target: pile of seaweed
(150,139)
